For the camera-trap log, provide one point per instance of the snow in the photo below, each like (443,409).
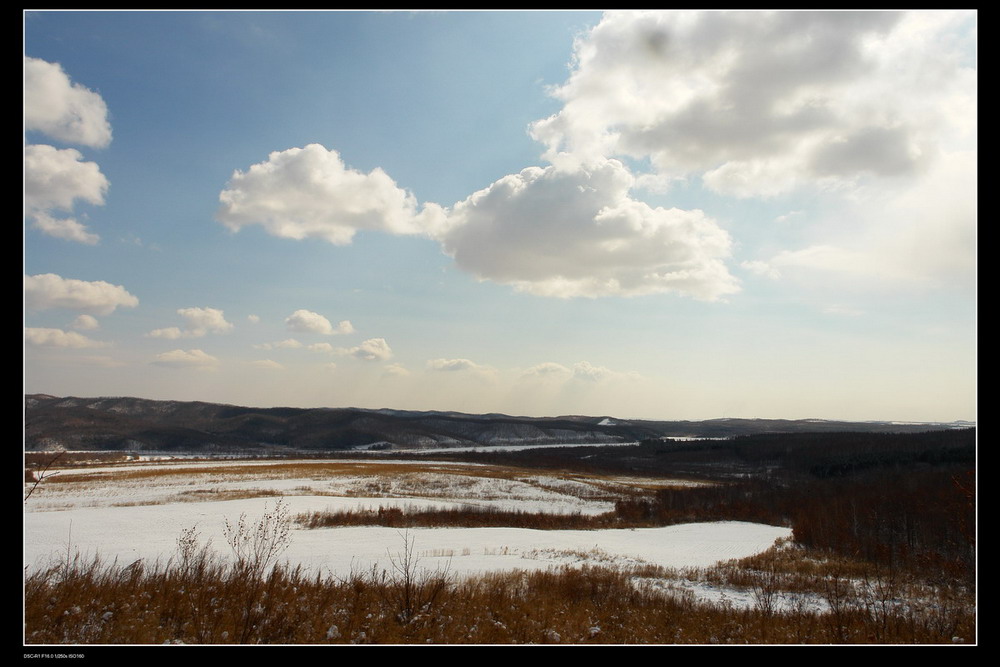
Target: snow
(125,519)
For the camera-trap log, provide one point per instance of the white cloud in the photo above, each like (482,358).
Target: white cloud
(61,109)
(58,338)
(198,322)
(757,102)
(48,290)
(451,365)
(742,103)
(64,228)
(253,319)
(321,347)
(170,333)
(85,323)
(570,232)
(186,359)
(922,235)
(581,371)
(306,321)
(55,178)
(461,366)
(310,193)
(202,320)
(373,349)
(396,370)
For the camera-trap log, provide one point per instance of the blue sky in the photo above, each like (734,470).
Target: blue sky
(672,215)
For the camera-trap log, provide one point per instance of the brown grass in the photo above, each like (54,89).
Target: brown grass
(201,600)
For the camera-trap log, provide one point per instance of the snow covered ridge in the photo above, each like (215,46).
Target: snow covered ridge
(135,423)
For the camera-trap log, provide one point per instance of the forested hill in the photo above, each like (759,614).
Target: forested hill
(122,423)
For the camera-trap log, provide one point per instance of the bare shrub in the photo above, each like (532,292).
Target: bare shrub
(257,547)
(414,589)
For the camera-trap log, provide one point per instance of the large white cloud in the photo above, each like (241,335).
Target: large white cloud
(310,193)
(745,104)
(575,231)
(62,109)
(54,178)
(758,103)
(48,290)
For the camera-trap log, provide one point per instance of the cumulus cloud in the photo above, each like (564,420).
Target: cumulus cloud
(62,109)
(40,337)
(463,366)
(759,103)
(202,320)
(310,193)
(452,365)
(85,323)
(373,349)
(48,290)
(306,321)
(745,104)
(198,323)
(55,179)
(570,232)
(64,228)
(321,347)
(170,333)
(186,359)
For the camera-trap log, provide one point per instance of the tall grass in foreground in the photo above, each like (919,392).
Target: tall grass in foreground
(201,599)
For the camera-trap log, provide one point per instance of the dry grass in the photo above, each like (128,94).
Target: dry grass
(201,600)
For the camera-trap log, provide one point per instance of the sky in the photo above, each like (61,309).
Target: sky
(660,215)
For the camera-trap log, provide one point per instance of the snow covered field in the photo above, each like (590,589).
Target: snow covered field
(139,511)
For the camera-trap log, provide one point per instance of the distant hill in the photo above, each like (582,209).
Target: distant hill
(138,424)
